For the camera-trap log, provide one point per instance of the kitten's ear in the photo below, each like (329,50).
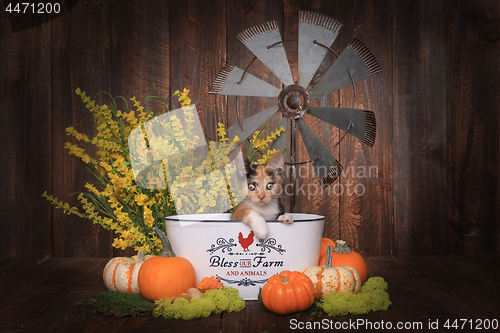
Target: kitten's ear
(249,168)
(276,162)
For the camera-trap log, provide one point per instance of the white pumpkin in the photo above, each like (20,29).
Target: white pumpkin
(120,273)
(328,279)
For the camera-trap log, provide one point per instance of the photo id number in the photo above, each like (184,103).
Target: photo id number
(33,8)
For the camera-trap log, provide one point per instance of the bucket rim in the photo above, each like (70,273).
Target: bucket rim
(215,218)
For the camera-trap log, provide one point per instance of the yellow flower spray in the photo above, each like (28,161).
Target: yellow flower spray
(115,201)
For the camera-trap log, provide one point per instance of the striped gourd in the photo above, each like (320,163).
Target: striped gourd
(120,273)
(328,279)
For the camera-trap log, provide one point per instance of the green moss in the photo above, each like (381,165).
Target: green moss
(117,304)
(226,299)
(219,300)
(372,297)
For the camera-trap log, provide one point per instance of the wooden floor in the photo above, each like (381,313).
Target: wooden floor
(40,294)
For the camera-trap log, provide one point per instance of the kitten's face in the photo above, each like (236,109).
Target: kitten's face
(265,181)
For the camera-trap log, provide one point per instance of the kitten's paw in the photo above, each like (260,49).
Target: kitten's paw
(258,224)
(260,230)
(286,218)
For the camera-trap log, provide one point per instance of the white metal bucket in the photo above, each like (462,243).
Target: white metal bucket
(217,246)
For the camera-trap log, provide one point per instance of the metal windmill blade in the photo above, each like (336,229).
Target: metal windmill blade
(322,31)
(265,43)
(364,128)
(317,33)
(325,165)
(355,64)
(230,81)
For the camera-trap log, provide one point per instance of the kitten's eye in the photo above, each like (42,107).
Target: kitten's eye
(270,186)
(252,187)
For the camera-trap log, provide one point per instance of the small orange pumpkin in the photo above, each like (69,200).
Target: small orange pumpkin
(324,243)
(120,273)
(208,283)
(288,292)
(165,275)
(342,255)
(327,279)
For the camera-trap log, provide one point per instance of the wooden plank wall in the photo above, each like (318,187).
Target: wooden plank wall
(434,186)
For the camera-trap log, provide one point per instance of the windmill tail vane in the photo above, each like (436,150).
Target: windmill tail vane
(316,35)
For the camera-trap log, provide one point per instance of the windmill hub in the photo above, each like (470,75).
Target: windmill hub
(293,101)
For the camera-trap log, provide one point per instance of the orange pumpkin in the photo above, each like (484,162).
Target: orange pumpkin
(288,292)
(342,255)
(324,243)
(120,273)
(165,275)
(327,279)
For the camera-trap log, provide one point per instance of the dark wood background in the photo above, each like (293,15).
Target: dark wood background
(436,100)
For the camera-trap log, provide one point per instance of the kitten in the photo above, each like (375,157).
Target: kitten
(262,201)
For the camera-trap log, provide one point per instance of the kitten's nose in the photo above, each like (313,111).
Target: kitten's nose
(261,197)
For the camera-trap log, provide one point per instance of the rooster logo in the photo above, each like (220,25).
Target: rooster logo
(245,242)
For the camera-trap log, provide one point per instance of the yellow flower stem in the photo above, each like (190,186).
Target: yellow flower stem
(157,97)
(113,110)
(93,171)
(112,132)
(157,217)
(100,204)
(253,150)
(113,99)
